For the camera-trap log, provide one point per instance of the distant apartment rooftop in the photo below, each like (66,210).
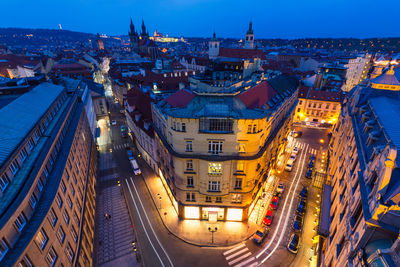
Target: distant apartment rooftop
(18,117)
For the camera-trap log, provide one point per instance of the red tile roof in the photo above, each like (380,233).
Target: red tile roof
(257,96)
(180,99)
(241,53)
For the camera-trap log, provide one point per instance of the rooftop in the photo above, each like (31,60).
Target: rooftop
(20,116)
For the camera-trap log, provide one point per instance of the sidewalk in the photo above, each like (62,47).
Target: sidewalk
(194,232)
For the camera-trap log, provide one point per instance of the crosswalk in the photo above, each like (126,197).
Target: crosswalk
(120,146)
(240,256)
(301,145)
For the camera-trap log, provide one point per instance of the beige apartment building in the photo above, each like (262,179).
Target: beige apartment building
(216,145)
(316,106)
(47,179)
(360,214)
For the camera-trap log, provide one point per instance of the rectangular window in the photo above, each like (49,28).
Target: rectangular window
(190,181)
(40,185)
(74,234)
(214,186)
(69,202)
(3,248)
(242,147)
(208,199)
(216,125)
(51,257)
(25,262)
(20,222)
(183,127)
(249,128)
(189,147)
(69,252)
(61,234)
(76,218)
(214,168)
(236,198)
(63,188)
(52,217)
(187,196)
(33,201)
(41,239)
(254,128)
(218,199)
(14,167)
(327,106)
(239,166)
(66,216)
(23,155)
(4,181)
(215,147)
(59,200)
(189,165)
(238,184)
(300,102)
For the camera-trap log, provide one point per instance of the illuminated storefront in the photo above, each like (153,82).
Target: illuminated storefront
(192,212)
(234,214)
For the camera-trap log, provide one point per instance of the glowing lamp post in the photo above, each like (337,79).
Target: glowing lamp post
(212,231)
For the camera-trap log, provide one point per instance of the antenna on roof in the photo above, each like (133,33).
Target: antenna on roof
(59,26)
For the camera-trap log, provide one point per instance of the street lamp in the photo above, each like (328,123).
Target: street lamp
(212,231)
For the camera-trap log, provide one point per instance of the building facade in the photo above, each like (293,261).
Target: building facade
(363,192)
(217,144)
(357,71)
(47,180)
(319,107)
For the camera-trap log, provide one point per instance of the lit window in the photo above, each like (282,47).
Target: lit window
(214,168)
(242,147)
(41,239)
(236,198)
(239,166)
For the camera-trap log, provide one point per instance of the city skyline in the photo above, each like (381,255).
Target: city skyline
(289,20)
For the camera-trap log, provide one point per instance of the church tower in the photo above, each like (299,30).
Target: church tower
(133,37)
(213,47)
(144,34)
(249,42)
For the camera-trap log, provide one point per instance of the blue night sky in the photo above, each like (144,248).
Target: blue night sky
(229,18)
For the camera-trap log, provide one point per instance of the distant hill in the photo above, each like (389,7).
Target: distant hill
(20,36)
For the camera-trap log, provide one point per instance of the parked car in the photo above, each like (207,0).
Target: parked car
(268,218)
(130,154)
(135,167)
(309,173)
(294,243)
(281,187)
(123,129)
(289,165)
(298,223)
(260,234)
(301,208)
(113,122)
(274,203)
(293,157)
(304,192)
(295,150)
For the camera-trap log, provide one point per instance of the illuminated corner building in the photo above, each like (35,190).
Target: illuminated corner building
(216,144)
(316,106)
(360,215)
(47,178)
(357,70)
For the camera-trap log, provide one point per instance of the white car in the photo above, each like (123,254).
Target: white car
(295,150)
(113,122)
(289,165)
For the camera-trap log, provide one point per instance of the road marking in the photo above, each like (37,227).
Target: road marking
(288,213)
(236,254)
(246,262)
(303,156)
(140,218)
(240,258)
(254,264)
(151,227)
(233,249)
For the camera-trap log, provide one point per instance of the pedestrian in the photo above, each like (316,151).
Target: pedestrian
(109,216)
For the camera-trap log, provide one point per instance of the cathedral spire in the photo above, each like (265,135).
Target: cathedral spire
(250,30)
(144,32)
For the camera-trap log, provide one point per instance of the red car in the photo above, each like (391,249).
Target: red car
(268,218)
(274,203)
